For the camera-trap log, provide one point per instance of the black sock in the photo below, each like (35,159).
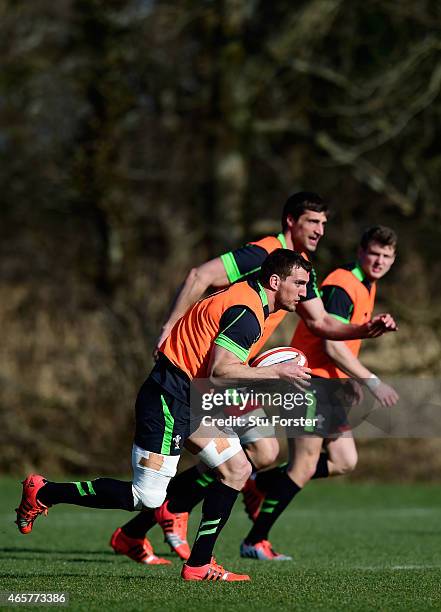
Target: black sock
(100,493)
(187,489)
(216,509)
(278,497)
(138,526)
(264,480)
(322,470)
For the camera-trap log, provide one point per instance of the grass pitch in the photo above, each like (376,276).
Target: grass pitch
(355,547)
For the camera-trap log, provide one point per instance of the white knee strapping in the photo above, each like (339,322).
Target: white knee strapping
(219,450)
(151,475)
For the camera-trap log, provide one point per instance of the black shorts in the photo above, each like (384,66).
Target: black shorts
(330,412)
(325,410)
(162,421)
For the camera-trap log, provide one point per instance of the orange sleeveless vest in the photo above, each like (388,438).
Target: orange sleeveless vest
(312,346)
(190,342)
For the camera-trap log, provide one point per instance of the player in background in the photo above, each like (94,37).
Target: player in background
(348,294)
(304,219)
(213,339)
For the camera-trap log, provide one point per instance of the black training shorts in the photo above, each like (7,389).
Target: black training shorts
(162,420)
(327,414)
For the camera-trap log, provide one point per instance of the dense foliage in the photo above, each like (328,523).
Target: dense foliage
(138,138)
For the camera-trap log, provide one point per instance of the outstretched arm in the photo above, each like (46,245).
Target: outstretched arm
(346,361)
(219,272)
(324,325)
(210,274)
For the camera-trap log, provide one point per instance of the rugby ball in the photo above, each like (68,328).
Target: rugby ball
(279,355)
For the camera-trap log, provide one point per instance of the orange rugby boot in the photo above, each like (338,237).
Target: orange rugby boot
(138,549)
(30,508)
(174,527)
(211,571)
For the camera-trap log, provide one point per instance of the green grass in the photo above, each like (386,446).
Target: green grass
(355,547)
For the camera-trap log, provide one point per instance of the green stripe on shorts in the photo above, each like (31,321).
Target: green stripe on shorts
(168,430)
(311,411)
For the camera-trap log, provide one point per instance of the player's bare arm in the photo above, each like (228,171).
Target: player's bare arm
(346,361)
(198,280)
(324,325)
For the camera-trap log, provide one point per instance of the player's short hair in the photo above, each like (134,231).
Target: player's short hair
(298,203)
(381,234)
(281,262)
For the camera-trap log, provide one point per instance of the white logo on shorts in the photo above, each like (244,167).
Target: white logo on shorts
(320,419)
(177,440)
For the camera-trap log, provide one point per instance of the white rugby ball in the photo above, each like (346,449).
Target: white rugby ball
(279,355)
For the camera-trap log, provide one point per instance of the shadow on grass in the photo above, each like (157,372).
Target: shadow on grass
(45,551)
(58,575)
(102,557)
(56,558)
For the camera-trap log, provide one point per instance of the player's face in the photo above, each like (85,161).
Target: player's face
(307,230)
(291,289)
(376,260)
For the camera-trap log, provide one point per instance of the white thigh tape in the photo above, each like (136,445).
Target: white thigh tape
(152,473)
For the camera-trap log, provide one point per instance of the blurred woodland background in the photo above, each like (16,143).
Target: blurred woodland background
(139,138)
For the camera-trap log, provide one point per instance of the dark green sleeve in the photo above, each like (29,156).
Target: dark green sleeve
(239,329)
(312,290)
(337,303)
(243,261)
